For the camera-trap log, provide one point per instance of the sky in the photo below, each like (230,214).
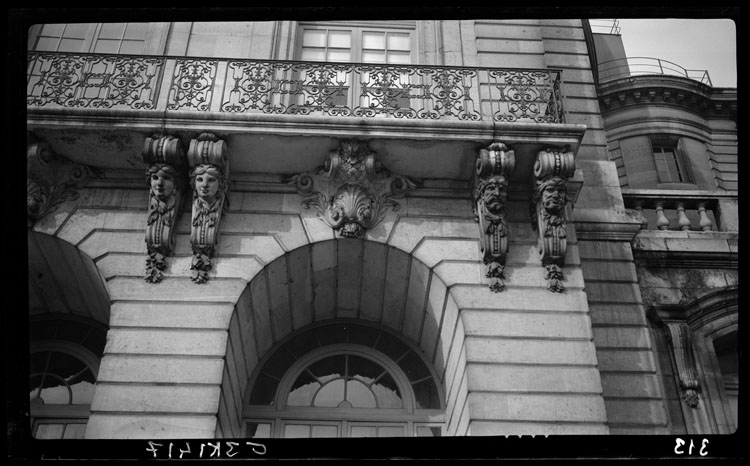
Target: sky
(695,44)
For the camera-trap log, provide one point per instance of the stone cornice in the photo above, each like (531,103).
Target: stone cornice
(668,90)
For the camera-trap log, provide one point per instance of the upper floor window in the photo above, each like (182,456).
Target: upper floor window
(117,38)
(333,43)
(669,160)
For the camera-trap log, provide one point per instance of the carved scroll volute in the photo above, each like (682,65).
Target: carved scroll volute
(352,190)
(551,172)
(166,177)
(208,157)
(50,180)
(678,335)
(494,166)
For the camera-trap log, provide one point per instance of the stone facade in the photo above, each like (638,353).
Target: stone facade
(182,355)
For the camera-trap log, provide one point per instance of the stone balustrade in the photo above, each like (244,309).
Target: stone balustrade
(677,210)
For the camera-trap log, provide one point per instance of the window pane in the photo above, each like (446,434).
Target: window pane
(302,344)
(391,346)
(364,369)
(328,368)
(362,335)
(331,394)
(296,431)
(112,31)
(398,41)
(132,46)
(399,58)
(428,431)
(78,30)
(387,393)
(52,30)
(106,46)
(373,57)
(426,394)
(74,431)
(331,334)
(264,390)
(325,431)
(313,55)
(47,44)
(49,431)
(314,38)
(303,391)
(278,364)
(71,45)
(391,431)
(359,395)
(201,45)
(338,55)
(373,40)
(339,39)
(83,393)
(136,31)
(258,430)
(363,431)
(413,366)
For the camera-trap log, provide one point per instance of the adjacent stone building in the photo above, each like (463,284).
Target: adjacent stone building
(361,228)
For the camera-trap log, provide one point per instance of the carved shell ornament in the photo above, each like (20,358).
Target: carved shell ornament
(352,191)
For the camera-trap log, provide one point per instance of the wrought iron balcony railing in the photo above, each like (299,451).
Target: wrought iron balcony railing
(294,87)
(642,66)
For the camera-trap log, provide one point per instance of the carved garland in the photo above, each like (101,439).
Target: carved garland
(551,171)
(208,158)
(494,166)
(352,190)
(166,179)
(50,180)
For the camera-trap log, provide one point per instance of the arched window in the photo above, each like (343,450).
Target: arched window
(63,366)
(344,380)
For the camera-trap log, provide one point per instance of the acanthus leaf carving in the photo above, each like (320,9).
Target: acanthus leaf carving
(166,178)
(50,180)
(352,190)
(494,166)
(208,157)
(549,198)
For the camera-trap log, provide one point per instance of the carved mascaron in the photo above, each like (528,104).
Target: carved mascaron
(494,166)
(166,179)
(551,171)
(208,158)
(352,190)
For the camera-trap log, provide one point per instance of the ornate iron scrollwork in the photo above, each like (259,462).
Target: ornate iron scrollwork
(50,180)
(167,180)
(551,171)
(352,190)
(208,158)
(494,166)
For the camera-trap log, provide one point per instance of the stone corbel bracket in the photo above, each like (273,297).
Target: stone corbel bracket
(494,166)
(50,180)
(549,198)
(208,157)
(352,190)
(166,177)
(678,336)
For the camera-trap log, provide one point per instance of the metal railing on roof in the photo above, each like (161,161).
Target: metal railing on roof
(641,66)
(605,26)
(294,87)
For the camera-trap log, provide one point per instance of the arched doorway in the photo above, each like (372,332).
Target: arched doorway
(344,379)
(68,323)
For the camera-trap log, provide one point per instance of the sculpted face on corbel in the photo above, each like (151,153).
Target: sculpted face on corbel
(549,198)
(208,157)
(352,190)
(165,177)
(494,166)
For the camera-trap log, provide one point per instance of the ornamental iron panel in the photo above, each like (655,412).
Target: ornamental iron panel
(298,88)
(94,81)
